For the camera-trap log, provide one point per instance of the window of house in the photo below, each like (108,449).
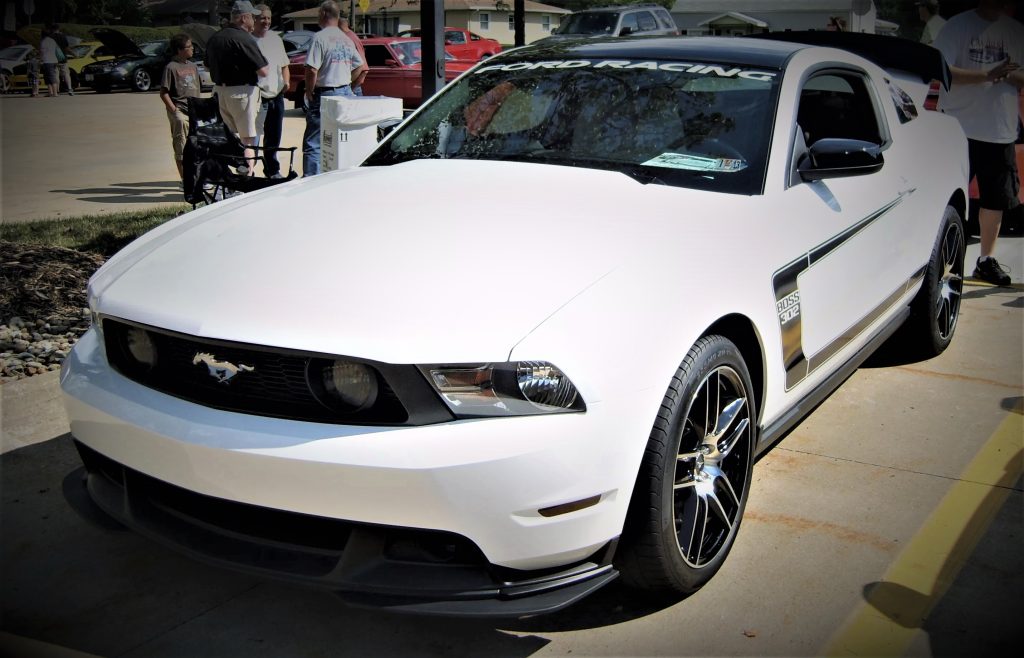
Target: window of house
(512,21)
(545,23)
(485,21)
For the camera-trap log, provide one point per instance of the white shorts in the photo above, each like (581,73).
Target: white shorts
(239,106)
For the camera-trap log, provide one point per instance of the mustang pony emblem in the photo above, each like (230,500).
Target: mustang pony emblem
(222,371)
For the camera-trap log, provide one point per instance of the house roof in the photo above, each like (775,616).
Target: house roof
(737,16)
(715,6)
(414,6)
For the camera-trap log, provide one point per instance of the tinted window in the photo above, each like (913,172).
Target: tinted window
(685,125)
(646,21)
(588,23)
(377,55)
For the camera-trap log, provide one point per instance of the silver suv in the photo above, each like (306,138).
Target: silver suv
(616,21)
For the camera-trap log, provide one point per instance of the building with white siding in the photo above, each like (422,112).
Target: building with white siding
(738,17)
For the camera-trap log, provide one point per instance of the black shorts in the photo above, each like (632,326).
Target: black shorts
(995,165)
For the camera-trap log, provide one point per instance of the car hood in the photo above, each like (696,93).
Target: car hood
(117,42)
(331,264)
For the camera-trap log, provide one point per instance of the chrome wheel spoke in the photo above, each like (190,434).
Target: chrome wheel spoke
(714,449)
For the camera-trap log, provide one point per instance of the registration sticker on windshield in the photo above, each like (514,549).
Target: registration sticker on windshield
(696,162)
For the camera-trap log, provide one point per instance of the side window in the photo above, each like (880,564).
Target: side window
(455,37)
(377,55)
(646,21)
(630,21)
(665,20)
(838,104)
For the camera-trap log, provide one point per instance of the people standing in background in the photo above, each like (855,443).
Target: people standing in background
(180,82)
(236,65)
(331,64)
(984,48)
(928,10)
(48,54)
(357,84)
(270,120)
(63,70)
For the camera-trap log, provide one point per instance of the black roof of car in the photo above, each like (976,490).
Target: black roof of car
(731,50)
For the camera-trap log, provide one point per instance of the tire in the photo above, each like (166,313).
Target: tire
(694,481)
(142,80)
(936,308)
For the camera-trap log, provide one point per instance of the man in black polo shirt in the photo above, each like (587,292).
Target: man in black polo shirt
(236,64)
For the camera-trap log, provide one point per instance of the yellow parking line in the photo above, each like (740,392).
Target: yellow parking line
(895,609)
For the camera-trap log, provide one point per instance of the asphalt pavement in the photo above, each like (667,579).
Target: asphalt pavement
(889,522)
(94,154)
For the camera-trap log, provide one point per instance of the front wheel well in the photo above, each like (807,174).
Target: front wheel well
(740,330)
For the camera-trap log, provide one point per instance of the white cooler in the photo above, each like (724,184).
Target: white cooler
(348,127)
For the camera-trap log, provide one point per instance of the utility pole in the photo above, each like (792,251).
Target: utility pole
(432,45)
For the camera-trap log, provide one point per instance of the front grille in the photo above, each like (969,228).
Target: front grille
(269,381)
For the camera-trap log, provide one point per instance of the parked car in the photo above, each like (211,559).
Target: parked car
(615,21)
(463,44)
(14,62)
(444,411)
(83,54)
(394,70)
(136,67)
(296,41)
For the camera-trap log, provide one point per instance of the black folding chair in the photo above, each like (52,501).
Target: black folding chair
(214,164)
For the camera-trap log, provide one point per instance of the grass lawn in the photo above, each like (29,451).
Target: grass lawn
(101,234)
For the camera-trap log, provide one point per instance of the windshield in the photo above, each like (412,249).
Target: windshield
(153,48)
(14,52)
(79,50)
(705,126)
(589,23)
(410,52)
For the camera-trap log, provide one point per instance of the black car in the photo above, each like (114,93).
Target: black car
(136,67)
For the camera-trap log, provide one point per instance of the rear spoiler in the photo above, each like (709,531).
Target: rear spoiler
(890,53)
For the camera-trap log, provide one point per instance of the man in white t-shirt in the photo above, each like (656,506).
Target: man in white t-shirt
(984,48)
(270,120)
(332,62)
(928,10)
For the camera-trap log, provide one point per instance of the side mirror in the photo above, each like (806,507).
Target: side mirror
(837,158)
(625,31)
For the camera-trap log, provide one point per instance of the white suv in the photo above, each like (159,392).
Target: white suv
(618,21)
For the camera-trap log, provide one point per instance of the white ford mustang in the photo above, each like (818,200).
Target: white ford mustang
(361,381)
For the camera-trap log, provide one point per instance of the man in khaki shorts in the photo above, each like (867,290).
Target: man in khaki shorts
(236,65)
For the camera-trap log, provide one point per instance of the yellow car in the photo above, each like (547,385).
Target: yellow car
(84,53)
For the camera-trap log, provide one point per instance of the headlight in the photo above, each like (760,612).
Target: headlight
(349,386)
(519,388)
(141,347)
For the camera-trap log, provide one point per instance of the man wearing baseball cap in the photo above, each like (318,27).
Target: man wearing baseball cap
(928,10)
(236,65)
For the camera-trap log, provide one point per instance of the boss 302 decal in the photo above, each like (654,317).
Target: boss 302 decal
(787,302)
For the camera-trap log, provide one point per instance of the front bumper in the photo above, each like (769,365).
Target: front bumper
(109,79)
(183,473)
(399,569)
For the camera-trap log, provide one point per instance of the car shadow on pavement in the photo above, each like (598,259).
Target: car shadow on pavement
(140,192)
(71,583)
